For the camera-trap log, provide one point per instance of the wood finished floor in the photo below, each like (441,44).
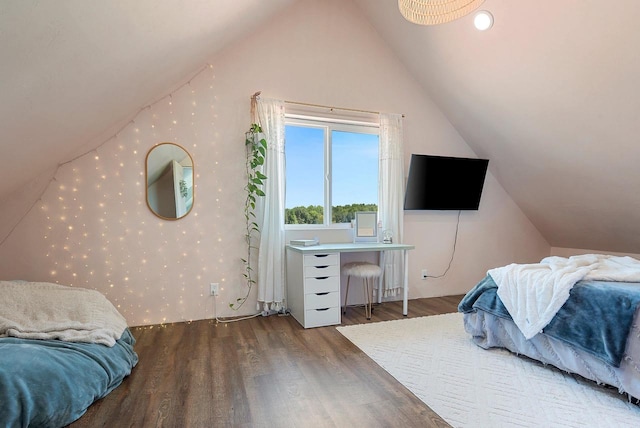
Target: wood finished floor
(263,372)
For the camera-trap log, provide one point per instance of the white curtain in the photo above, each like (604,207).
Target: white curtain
(269,114)
(391,198)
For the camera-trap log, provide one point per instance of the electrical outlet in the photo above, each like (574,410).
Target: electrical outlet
(424,274)
(214,288)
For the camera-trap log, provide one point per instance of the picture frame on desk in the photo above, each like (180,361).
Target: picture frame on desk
(366,226)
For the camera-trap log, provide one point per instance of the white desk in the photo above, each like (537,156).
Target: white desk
(311,286)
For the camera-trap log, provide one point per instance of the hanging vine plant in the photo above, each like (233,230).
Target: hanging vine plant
(256,149)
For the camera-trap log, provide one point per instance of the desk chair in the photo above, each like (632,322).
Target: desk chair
(369,273)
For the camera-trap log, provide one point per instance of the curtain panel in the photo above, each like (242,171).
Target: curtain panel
(391,198)
(269,114)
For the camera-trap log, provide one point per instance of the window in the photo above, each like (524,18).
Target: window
(331,170)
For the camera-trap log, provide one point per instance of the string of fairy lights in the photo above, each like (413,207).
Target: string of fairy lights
(98,232)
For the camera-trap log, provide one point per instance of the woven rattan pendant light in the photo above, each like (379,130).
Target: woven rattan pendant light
(432,12)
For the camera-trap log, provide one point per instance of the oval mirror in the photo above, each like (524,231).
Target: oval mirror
(169,174)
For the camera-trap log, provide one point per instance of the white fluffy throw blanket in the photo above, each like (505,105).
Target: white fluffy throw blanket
(533,293)
(39,310)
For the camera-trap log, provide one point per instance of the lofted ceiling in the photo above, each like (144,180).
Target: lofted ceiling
(75,71)
(550,94)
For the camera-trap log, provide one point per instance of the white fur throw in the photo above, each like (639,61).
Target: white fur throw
(534,293)
(362,269)
(40,310)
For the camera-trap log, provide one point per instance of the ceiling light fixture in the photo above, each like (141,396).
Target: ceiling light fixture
(483,20)
(432,12)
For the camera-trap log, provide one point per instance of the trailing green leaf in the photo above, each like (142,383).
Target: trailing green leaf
(256,150)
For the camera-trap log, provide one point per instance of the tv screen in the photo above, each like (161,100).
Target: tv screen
(444,183)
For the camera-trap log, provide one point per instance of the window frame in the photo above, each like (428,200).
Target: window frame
(329,125)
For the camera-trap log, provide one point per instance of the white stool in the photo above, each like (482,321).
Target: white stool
(368,272)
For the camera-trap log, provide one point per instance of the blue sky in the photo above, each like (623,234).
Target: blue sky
(355,167)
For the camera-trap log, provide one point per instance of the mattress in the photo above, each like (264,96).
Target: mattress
(491,331)
(51,383)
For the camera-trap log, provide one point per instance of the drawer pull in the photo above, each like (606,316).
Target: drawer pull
(321,267)
(321,255)
(322,277)
(322,310)
(322,294)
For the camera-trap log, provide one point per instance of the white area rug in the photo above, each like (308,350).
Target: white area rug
(472,387)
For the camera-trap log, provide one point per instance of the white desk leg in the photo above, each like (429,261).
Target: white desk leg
(405,297)
(380,288)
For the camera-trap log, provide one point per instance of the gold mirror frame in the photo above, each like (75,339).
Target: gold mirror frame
(169,181)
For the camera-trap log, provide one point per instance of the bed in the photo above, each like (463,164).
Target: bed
(61,349)
(579,314)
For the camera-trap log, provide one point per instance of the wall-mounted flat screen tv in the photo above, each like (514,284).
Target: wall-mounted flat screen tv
(444,183)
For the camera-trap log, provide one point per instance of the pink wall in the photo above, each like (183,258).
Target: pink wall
(92,228)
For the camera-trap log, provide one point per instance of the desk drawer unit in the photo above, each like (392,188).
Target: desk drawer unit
(313,288)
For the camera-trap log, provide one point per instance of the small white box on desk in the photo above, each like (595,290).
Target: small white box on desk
(303,242)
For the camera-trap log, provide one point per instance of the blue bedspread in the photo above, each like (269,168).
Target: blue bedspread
(51,383)
(596,318)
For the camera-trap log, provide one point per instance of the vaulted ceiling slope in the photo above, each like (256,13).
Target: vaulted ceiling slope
(76,71)
(550,94)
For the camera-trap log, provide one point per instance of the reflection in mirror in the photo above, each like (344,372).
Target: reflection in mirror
(366,226)
(169,174)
